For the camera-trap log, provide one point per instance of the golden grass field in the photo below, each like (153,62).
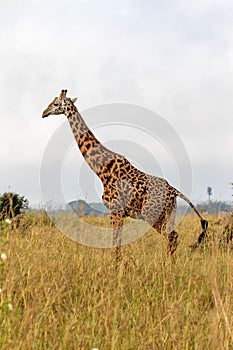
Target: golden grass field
(57,294)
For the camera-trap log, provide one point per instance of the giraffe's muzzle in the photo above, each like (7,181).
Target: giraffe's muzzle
(45,114)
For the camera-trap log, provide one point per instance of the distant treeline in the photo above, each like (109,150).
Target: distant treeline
(81,208)
(212,207)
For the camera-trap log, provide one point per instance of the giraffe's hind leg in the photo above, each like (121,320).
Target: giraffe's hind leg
(167,227)
(171,236)
(172,241)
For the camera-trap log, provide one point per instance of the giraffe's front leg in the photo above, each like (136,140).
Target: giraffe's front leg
(117,225)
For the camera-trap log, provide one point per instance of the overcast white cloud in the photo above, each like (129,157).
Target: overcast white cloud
(174,57)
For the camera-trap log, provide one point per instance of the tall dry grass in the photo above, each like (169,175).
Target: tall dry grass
(57,294)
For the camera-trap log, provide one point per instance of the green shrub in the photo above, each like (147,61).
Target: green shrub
(12,204)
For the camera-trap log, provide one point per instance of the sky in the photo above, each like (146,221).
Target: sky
(174,58)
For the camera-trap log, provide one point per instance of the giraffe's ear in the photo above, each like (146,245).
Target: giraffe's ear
(74,99)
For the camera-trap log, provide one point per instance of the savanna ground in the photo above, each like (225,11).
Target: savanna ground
(57,294)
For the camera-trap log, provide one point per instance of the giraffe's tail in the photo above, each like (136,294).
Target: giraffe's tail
(204,223)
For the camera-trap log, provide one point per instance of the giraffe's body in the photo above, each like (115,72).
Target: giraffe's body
(127,190)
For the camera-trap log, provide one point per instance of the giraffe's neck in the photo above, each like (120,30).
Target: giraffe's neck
(95,154)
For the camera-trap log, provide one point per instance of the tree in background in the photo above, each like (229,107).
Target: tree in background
(12,204)
(209,192)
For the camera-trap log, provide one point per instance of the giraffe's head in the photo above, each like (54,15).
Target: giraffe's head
(60,105)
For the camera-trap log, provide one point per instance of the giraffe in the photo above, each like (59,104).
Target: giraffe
(127,191)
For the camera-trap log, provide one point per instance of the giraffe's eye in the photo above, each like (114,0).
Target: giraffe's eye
(56,104)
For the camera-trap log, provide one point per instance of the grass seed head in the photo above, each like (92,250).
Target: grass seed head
(3,256)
